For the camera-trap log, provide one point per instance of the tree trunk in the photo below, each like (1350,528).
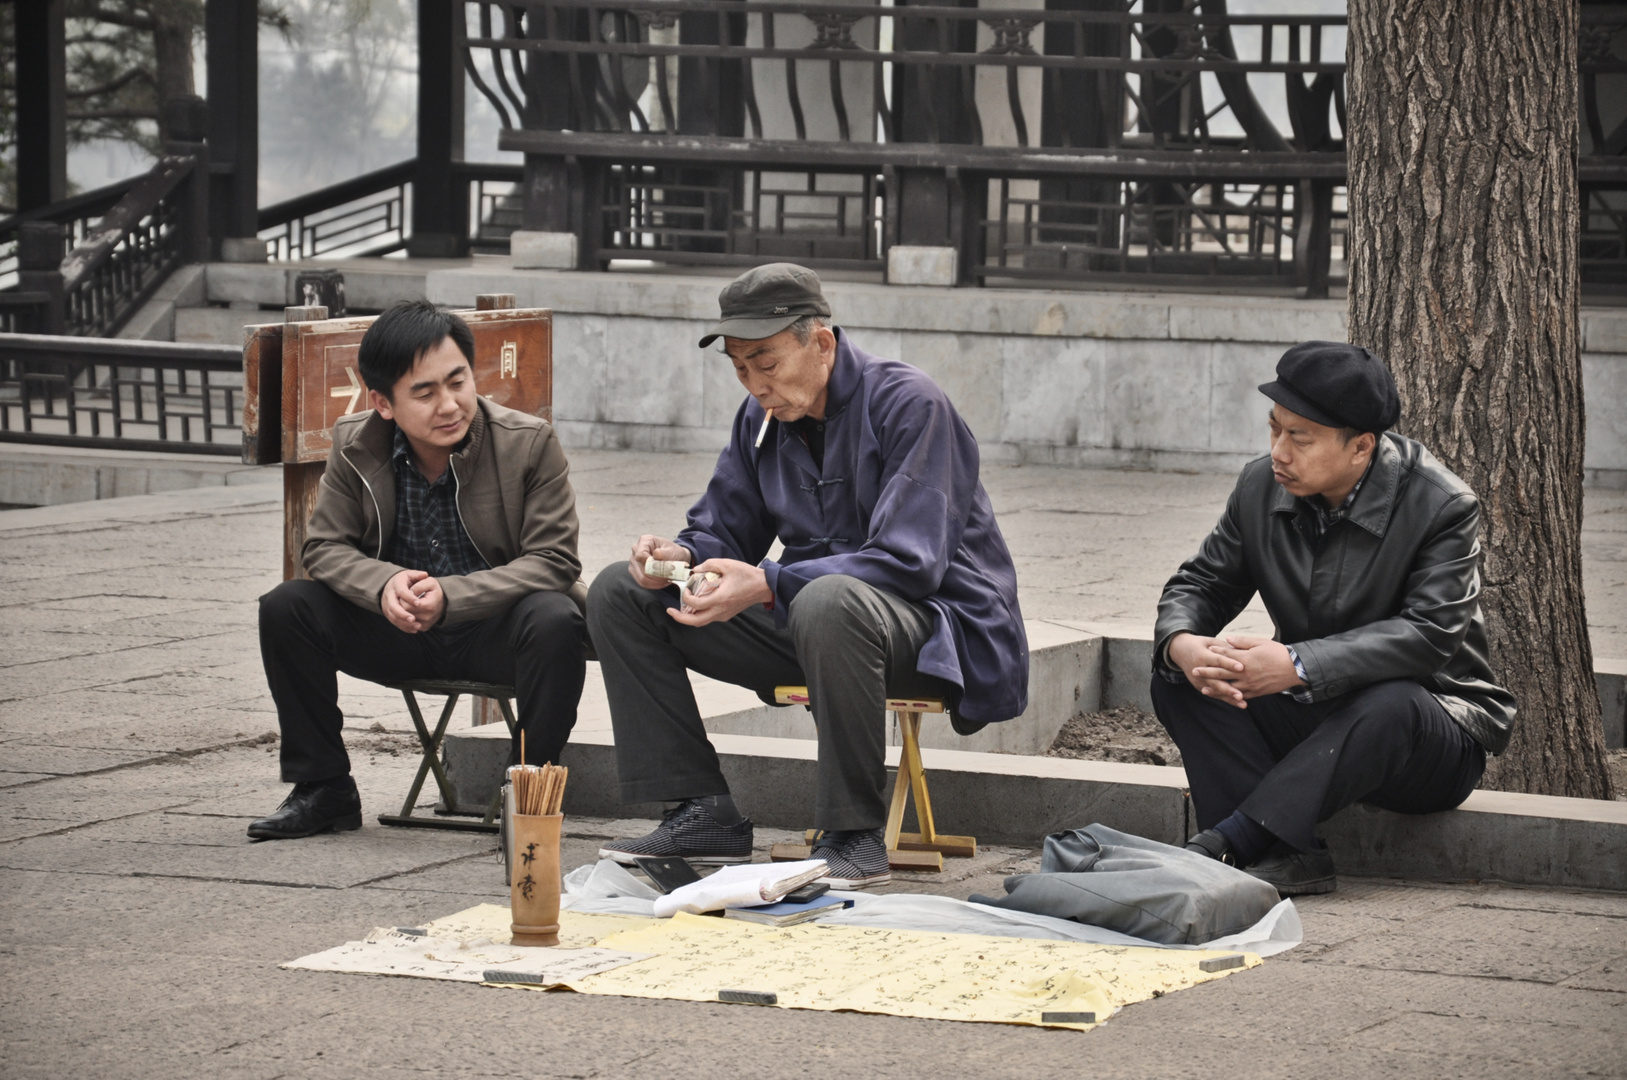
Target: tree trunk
(1463,275)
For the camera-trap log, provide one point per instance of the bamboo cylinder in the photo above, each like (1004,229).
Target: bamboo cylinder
(534,894)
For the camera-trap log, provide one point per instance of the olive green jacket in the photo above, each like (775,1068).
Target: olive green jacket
(514,498)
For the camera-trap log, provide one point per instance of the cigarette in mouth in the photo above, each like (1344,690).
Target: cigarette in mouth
(762,431)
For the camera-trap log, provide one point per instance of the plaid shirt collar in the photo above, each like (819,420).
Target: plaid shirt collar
(1326,517)
(401,457)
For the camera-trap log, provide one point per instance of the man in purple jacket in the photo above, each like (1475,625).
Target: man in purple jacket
(894,581)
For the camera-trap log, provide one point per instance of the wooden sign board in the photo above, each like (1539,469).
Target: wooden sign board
(262,394)
(321,382)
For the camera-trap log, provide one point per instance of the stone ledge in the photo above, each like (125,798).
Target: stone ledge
(999,798)
(1493,836)
(1012,799)
(1064,678)
(1024,312)
(264,492)
(35,475)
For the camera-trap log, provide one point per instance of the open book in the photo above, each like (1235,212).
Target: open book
(746,885)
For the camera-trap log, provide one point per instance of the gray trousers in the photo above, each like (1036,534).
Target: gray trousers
(851,644)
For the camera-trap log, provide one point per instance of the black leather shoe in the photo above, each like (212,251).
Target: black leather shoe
(1212,843)
(311,809)
(1297,873)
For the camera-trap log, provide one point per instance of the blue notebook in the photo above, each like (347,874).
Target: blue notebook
(783,914)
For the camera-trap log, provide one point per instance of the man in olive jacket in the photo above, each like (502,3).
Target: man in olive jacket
(1376,686)
(443,545)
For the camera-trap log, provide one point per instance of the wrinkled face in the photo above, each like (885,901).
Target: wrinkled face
(1309,458)
(785,375)
(433,403)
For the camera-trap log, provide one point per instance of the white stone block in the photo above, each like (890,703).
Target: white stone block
(244,249)
(543,250)
(1053,392)
(1604,331)
(907,265)
(967,367)
(263,286)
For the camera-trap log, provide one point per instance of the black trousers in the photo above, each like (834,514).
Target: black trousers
(308,633)
(851,644)
(1289,766)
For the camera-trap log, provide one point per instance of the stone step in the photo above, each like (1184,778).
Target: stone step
(1013,799)
(33,475)
(1015,796)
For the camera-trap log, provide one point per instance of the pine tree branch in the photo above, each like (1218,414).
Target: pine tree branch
(118,83)
(119,18)
(115,114)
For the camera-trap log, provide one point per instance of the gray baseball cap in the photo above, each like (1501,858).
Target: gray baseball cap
(765,300)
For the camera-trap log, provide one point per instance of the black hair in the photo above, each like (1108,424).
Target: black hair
(395,341)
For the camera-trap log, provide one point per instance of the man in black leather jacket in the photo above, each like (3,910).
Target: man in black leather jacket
(1376,686)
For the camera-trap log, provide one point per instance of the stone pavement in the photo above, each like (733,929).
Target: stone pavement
(142,932)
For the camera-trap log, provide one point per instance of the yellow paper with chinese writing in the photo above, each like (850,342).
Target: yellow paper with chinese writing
(898,972)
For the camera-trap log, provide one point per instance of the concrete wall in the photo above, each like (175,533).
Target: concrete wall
(1120,379)
(1078,378)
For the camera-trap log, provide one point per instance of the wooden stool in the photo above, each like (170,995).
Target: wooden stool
(922,850)
(430,742)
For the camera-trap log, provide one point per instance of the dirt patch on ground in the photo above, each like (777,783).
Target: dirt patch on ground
(1128,734)
(1122,734)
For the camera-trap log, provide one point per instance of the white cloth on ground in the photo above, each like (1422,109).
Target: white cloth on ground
(608,888)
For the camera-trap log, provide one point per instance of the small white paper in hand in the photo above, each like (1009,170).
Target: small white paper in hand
(746,885)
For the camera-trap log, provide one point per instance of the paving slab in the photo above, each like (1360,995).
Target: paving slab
(1396,978)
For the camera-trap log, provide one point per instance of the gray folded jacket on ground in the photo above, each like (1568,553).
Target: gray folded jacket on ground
(1140,887)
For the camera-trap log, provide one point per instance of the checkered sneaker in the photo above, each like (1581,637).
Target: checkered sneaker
(688,832)
(855,860)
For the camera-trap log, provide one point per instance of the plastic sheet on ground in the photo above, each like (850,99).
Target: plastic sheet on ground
(607,887)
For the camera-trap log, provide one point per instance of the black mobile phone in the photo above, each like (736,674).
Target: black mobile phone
(668,872)
(810,891)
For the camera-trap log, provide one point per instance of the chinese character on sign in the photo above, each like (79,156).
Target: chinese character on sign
(510,360)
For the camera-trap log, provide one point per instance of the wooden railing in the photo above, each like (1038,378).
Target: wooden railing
(372,214)
(158,223)
(1126,143)
(123,395)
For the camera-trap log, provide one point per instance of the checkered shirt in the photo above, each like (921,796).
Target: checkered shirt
(429,534)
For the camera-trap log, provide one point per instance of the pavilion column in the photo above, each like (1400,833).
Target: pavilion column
(937,207)
(42,103)
(440,205)
(232,32)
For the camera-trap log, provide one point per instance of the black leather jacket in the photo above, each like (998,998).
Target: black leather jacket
(1390,592)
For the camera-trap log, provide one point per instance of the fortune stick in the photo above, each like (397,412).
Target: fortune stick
(538,789)
(762,431)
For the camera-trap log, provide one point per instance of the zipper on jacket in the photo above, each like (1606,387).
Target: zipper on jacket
(457,501)
(377,513)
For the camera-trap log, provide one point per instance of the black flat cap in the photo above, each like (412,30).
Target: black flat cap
(1336,384)
(765,300)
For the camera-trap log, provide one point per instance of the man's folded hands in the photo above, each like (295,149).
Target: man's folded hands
(1234,668)
(413,601)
